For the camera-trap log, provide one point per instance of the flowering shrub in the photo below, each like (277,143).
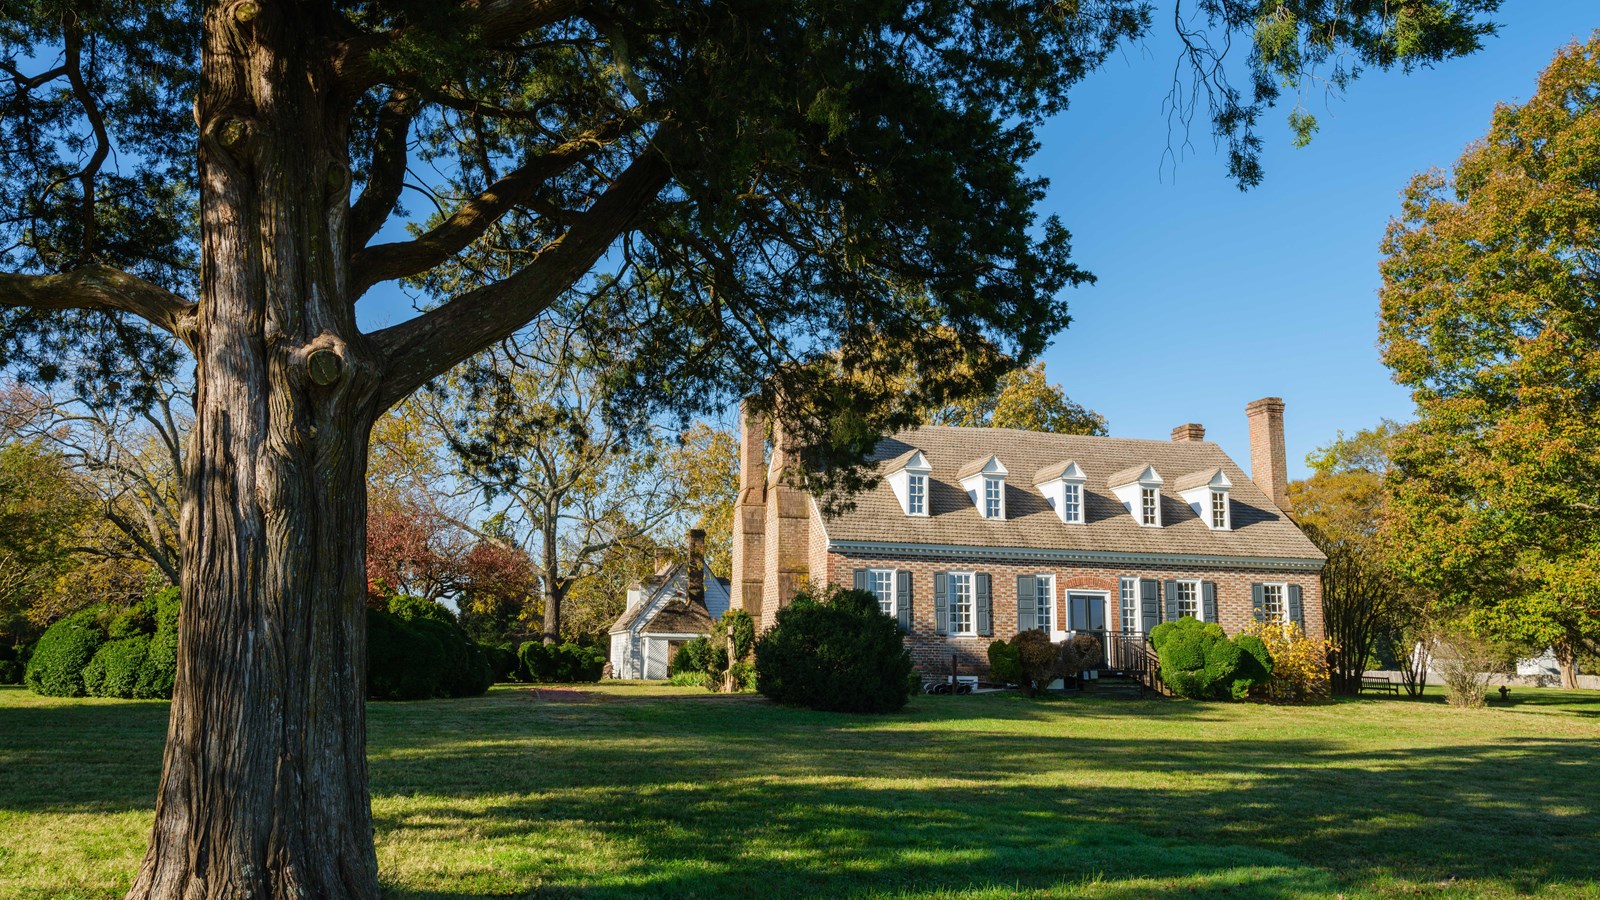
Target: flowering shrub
(1299,663)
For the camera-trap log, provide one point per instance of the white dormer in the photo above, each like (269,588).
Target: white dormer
(984,480)
(1206,492)
(908,478)
(1062,487)
(1139,489)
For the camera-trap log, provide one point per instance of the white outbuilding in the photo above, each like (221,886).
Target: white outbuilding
(665,611)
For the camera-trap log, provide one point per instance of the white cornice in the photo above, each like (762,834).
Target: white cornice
(1109,557)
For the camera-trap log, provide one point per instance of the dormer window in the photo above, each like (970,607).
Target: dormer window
(1139,489)
(1062,487)
(908,478)
(984,480)
(1206,492)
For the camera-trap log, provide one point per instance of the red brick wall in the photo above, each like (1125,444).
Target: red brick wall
(931,652)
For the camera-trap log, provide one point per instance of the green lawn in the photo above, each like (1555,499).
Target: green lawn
(651,791)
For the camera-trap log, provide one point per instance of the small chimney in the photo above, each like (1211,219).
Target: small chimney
(1269,461)
(1193,431)
(697,567)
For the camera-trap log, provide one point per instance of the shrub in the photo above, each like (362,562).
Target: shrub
(1080,653)
(1466,663)
(464,669)
(688,679)
(160,664)
(1199,661)
(1038,659)
(736,625)
(413,608)
(403,662)
(834,652)
(1298,664)
(1005,664)
(561,663)
(11,666)
(65,648)
(114,671)
(502,663)
(695,656)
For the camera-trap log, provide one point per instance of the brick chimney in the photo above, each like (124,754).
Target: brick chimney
(696,589)
(750,514)
(1269,461)
(1193,431)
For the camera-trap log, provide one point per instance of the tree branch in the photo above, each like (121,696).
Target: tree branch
(493,21)
(387,175)
(102,140)
(371,265)
(103,288)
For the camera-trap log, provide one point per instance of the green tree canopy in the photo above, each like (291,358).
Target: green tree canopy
(1024,399)
(1491,315)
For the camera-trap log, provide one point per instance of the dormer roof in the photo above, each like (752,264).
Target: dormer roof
(1144,474)
(983,465)
(910,461)
(1212,478)
(1066,471)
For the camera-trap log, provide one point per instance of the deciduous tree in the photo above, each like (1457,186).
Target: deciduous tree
(1024,399)
(729,184)
(1491,315)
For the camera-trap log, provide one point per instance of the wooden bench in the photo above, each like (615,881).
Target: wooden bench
(1374,683)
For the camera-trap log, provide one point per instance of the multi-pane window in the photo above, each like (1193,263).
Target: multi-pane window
(917,495)
(1219,509)
(993,495)
(1130,604)
(1045,601)
(881,583)
(1272,602)
(961,603)
(1148,506)
(1188,593)
(1072,503)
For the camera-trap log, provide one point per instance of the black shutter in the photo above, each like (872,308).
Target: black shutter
(1258,602)
(1172,601)
(1297,612)
(1027,603)
(861,579)
(941,603)
(985,604)
(1149,603)
(902,599)
(1208,601)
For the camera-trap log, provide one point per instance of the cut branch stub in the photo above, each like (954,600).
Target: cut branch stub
(244,13)
(325,366)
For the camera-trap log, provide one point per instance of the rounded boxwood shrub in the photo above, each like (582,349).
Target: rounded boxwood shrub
(835,652)
(1198,660)
(502,663)
(160,663)
(115,669)
(561,663)
(403,662)
(464,668)
(65,648)
(1005,663)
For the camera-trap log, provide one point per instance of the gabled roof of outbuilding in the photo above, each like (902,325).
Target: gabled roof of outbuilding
(1260,529)
(679,617)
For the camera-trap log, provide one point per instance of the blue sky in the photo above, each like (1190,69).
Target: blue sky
(1209,298)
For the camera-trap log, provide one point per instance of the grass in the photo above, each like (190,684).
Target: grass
(634,790)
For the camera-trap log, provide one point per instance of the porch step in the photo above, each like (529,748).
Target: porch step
(1114,687)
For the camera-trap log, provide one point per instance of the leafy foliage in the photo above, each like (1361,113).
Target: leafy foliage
(116,667)
(1297,663)
(1025,400)
(416,650)
(837,651)
(1199,661)
(65,648)
(693,656)
(561,663)
(160,665)
(1491,316)
(1038,660)
(1005,664)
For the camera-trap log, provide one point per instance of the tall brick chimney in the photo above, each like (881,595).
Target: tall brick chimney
(1269,461)
(1193,431)
(696,589)
(750,515)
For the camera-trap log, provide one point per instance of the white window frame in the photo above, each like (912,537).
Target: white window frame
(1044,593)
(1072,503)
(1283,601)
(1219,504)
(1193,584)
(994,497)
(892,580)
(1149,507)
(916,494)
(970,579)
(1128,605)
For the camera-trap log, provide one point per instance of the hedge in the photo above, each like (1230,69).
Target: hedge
(65,648)
(561,663)
(116,667)
(160,665)
(836,652)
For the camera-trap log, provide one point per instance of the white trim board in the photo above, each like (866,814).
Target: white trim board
(1107,557)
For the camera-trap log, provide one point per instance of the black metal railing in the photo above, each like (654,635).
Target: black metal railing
(1129,654)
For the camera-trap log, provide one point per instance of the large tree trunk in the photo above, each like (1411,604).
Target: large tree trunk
(1567,661)
(264,787)
(554,589)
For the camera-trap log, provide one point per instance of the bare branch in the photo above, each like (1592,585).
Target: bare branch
(431,343)
(383,262)
(102,288)
(102,141)
(388,171)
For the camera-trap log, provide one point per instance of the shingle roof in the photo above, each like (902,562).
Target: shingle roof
(1051,473)
(1260,529)
(1127,476)
(1196,479)
(974,467)
(679,617)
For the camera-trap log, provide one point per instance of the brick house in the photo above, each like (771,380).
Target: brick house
(974,534)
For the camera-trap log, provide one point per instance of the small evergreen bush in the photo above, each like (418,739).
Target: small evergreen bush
(160,664)
(1198,660)
(1005,664)
(561,663)
(742,629)
(1038,659)
(502,663)
(695,656)
(114,671)
(65,648)
(836,652)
